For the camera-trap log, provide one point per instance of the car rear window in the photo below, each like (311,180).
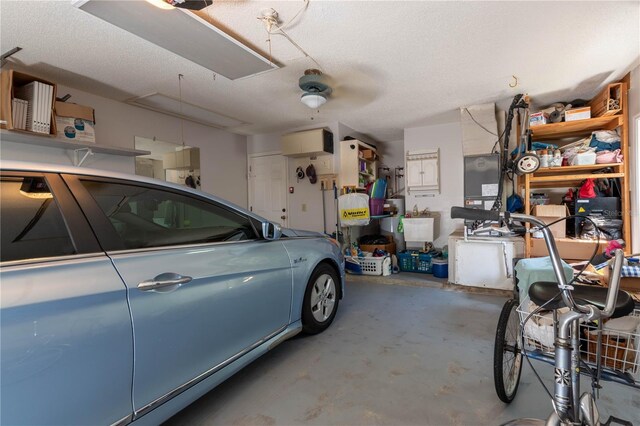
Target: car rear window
(31,223)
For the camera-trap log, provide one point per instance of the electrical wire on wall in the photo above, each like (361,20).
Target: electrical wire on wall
(493,150)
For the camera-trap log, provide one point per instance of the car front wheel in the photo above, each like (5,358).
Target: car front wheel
(320,300)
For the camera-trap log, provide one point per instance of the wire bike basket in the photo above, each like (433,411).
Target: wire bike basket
(619,342)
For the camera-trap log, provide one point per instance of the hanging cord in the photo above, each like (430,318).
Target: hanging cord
(516,103)
(487,130)
(272,28)
(180,77)
(302,9)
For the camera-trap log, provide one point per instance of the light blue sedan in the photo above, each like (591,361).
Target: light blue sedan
(125,299)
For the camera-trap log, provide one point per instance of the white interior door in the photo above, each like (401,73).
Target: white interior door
(268,187)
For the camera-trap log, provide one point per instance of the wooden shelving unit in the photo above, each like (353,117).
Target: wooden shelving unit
(351,163)
(573,176)
(575,128)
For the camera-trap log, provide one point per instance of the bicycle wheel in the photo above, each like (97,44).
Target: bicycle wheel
(507,354)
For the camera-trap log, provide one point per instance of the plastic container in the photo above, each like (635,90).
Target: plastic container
(414,261)
(369,265)
(376,206)
(440,268)
(586,158)
(386,266)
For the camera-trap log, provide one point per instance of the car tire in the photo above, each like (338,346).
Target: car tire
(321,300)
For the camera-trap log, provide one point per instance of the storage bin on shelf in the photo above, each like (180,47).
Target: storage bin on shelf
(414,261)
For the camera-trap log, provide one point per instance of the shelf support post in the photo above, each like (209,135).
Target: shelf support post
(77,161)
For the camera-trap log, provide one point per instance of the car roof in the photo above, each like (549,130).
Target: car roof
(58,168)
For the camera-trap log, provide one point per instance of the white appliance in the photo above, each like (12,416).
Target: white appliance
(483,261)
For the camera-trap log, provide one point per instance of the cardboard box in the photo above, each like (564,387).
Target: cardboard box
(75,122)
(538,118)
(390,247)
(368,154)
(577,114)
(9,80)
(569,248)
(550,213)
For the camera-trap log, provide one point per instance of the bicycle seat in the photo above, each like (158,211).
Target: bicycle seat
(543,291)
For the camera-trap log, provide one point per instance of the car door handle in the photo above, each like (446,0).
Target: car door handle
(167,279)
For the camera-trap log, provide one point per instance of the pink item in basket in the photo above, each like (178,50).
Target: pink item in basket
(609,157)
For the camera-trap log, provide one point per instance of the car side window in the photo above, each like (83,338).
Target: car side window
(31,223)
(147,217)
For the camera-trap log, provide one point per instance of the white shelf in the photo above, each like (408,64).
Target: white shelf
(52,142)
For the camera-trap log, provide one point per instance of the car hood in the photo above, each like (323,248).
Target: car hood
(287,232)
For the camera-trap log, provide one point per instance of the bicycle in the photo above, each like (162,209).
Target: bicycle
(575,327)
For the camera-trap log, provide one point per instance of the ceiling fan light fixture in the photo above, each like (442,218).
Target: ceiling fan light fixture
(313,100)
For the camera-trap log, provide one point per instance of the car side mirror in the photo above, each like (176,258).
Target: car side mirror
(271,231)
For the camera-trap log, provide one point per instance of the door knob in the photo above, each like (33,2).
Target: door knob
(283,217)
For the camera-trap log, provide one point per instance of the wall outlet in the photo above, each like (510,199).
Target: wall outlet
(304,207)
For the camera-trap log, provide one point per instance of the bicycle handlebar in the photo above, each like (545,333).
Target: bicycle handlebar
(614,284)
(556,260)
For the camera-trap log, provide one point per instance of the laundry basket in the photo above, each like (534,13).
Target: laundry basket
(369,265)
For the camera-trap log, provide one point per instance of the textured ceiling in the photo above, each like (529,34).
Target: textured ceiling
(393,64)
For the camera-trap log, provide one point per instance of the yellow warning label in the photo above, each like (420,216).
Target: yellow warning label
(581,210)
(361,213)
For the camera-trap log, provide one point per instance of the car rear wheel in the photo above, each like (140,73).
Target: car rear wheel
(320,300)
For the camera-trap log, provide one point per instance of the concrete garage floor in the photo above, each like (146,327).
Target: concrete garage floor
(394,355)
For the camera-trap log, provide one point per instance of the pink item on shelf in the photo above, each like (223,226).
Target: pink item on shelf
(609,157)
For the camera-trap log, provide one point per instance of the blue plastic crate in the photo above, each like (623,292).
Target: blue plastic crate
(414,261)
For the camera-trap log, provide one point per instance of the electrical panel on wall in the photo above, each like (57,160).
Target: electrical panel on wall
(422,171)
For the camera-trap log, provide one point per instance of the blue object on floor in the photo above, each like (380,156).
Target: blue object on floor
(440,268)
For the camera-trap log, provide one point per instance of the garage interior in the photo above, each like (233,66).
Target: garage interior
(368,122)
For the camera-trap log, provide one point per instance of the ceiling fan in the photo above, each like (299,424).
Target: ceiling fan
(315,87)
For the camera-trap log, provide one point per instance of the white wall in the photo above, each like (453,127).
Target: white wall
(305,204)
(634,161)
(448,138)
(392,153)
(222,154)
